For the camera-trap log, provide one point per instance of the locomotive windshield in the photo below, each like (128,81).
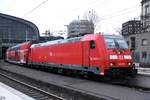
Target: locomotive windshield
(115,42)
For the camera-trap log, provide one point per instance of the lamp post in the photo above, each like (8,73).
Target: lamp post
(79,25)
(26,36)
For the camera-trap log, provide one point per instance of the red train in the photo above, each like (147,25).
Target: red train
(104,55)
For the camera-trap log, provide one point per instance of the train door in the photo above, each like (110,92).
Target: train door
(86,53)
(22,56)
(92,52)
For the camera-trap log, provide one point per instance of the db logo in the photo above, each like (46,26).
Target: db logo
(120,57)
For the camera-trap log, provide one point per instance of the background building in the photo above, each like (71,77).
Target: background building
(132,27)
(80,27)
(131,30)
(15,30)
(138,36)
(145,14)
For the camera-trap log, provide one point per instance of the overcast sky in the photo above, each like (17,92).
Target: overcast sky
(54,14)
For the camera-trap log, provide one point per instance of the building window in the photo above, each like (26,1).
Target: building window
(132,43)
(128,43)
(144,42)
(146,9)
(144,54)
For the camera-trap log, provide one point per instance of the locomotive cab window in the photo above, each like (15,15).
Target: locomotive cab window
(92,44)
(115,42)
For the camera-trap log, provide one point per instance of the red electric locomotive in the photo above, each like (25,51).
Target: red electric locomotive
(105,55)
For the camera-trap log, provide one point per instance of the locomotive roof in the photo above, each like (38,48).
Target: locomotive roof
(113,36)
(60,41)
(74,39)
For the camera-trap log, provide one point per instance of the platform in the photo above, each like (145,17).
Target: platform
(143,71)
(8,93)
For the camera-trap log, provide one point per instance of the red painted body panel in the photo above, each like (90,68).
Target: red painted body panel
(70,53)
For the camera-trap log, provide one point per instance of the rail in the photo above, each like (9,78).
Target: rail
(32,91)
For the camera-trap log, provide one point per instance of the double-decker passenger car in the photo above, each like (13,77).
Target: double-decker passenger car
(19,53)
(105,55)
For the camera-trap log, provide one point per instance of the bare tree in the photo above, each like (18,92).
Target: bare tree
(118,30)
(91,16)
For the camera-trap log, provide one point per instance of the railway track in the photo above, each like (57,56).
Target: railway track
(30,90)
(125,83)
(130,87)
(38,89)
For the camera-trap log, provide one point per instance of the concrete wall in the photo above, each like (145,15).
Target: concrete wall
(139,48)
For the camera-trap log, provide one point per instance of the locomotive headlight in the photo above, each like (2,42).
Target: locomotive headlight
(129,64)
(111,64)
(113,57)
(127,57)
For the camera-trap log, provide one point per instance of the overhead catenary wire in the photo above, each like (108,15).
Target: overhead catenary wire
(122,12)
(94,3)
(35,8)
(111,15)
(117,13)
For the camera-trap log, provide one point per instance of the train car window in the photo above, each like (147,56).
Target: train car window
(92,44)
